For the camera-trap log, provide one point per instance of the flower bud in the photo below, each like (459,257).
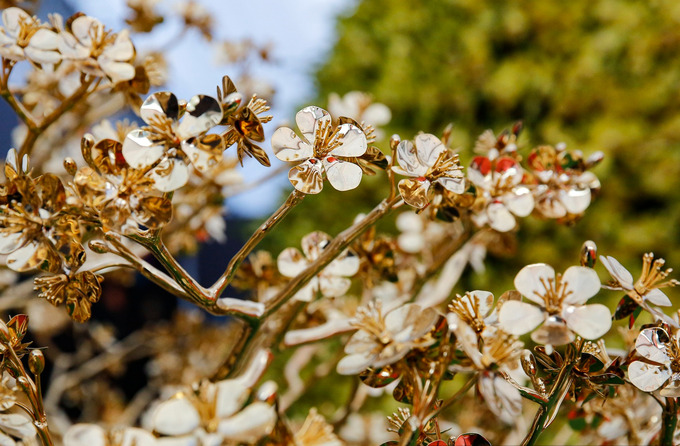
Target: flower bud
(588,254)
(99,246)
(394,142)
(528,363)
(36,362)
(70,165)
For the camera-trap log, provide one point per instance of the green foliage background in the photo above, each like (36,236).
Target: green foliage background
(596,74)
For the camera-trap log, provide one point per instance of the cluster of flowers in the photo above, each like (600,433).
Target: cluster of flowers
(398,338)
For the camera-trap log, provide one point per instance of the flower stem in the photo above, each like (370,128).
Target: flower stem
(32,391)
(35,130)
(555,397)
(293,199)
(669,419)
(330,252)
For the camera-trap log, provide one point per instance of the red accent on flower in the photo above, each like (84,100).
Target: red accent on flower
(120,159)
(312,160)
(421,179)
(481,164)
(331,159)
(505,163)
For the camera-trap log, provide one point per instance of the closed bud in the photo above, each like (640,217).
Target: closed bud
(70,166)
(588,254)
(394,142)
(529,363)
(99,246)
(36,362)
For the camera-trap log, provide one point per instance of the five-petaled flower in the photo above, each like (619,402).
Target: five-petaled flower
(124,198)
(427,162)
(24,37)
(384,340)
(502,196)
(98,51)
(244,121)
(323,149)
(217,413)
(77,291)
(493,353)
(661,370)
(560,305)
(332,281)
(167,144)
(564,186)
(645,290)
(35,229)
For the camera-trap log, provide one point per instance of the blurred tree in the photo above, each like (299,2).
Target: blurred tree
(598,75)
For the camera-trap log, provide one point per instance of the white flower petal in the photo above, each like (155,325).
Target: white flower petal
(116,71)
(377,114)
(287,146)
(588,321)
(484,301)
(307,177)
(170,174)
(503,398)
(647,377)
(576,201)
(657,297)
(452,184)
(17,425)
(249,425)
(411,242)
(352,141)
(530,281)
(650,346)
(159,106)
(175,417)
(309,119)
(44,39)
(133,436)
(429,147)
(122,49)
(520,201)
(345,265)
(231,396)
(342,175)
(618,272)
(581,284)
(291,262)
(84,28)
(517,317)
(83,434)
(139,149)
(410,321)
(12,18)
(500,217)
(202,113)
(408,159)
(334,286)
(9,242)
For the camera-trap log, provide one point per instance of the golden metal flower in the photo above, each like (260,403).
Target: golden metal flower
(77,292)
(428,162)
(174,137)
(36,229)
(244,121)
(124,198)
(323,150)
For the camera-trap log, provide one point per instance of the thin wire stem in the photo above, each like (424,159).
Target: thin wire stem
(293,200)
